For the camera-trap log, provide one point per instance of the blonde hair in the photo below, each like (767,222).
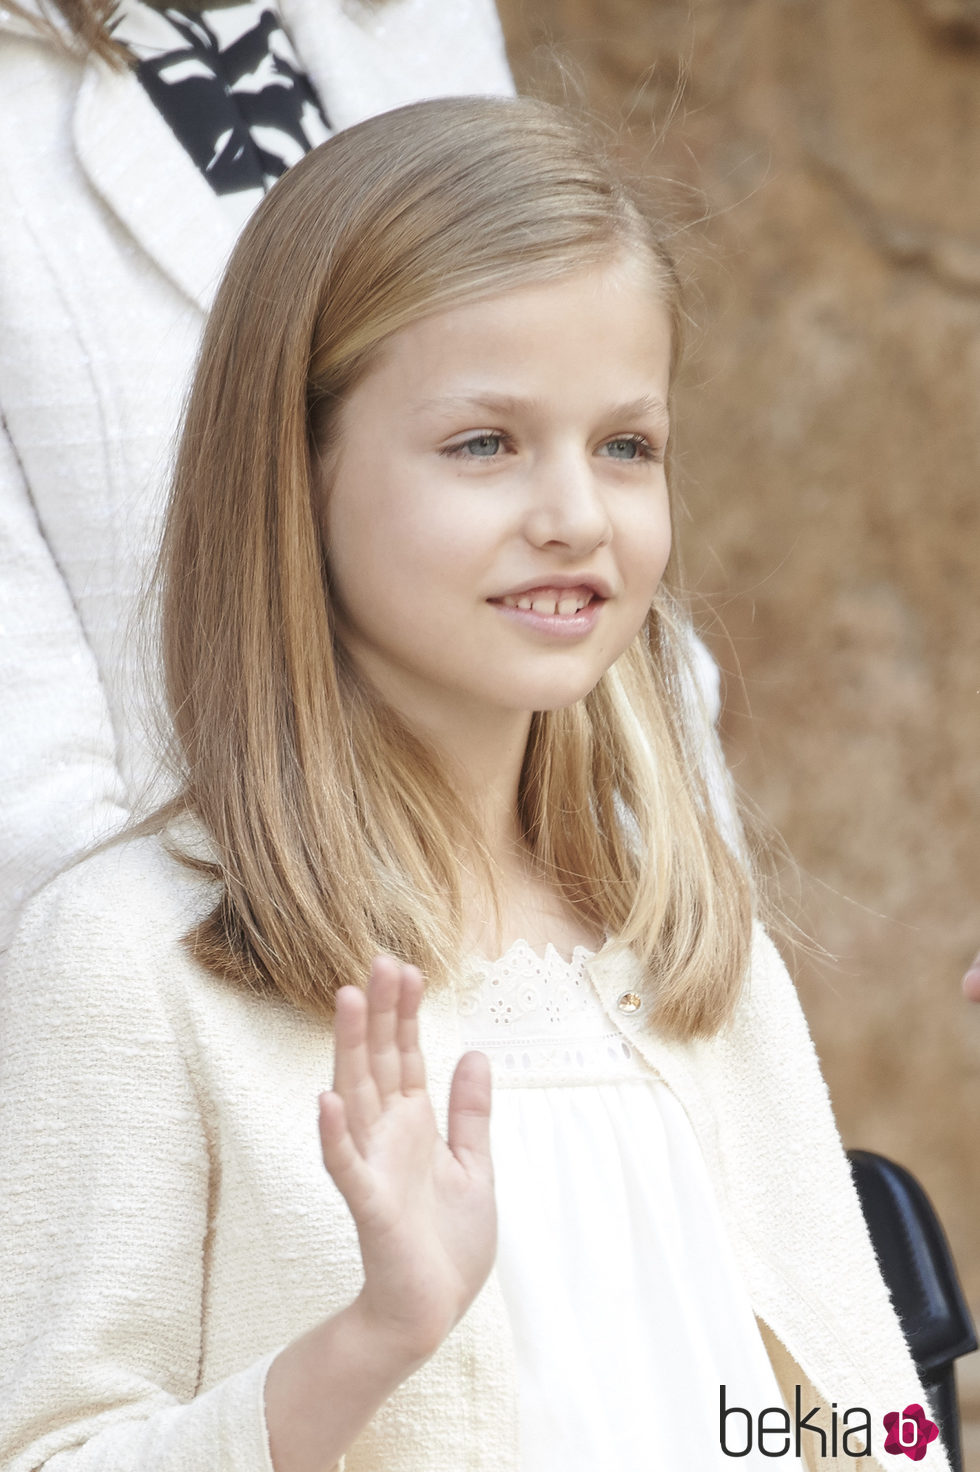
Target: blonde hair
(335,832)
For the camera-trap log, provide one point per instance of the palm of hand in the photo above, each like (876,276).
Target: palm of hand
(424,1207)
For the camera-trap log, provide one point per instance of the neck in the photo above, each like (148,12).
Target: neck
(483,760)
(481,751)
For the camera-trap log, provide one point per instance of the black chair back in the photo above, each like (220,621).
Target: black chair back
(918,1268)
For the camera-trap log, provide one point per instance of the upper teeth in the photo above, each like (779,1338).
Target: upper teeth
(545,602)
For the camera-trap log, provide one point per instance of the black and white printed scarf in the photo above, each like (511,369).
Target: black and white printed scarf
(230,86)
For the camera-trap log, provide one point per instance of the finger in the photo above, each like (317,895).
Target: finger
(352,1076)
(412,1062)
(971,981)
(384,997)
(469,1112)
(340,1155)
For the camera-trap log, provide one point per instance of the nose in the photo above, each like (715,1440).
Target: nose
(567,505)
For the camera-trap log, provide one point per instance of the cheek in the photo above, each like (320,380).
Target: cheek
(650,545)
(391,553)
(360,525)
(437,535)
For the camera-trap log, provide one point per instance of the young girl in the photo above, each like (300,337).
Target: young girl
(430,696)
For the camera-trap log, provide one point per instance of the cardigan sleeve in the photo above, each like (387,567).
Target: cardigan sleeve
(60,784)
(106,1172)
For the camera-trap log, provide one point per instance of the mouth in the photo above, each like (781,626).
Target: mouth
(550,601)
(552,613)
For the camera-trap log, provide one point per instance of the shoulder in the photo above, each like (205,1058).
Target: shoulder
(770,999)
(766,1061)
(111,926)
(136,881)
(769,1015)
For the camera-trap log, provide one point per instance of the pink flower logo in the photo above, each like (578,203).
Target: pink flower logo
(909,1431)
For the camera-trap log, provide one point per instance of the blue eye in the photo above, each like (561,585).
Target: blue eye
(479,447)
(628,447)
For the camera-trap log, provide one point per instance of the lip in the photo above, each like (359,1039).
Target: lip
(554,625)
(598,586)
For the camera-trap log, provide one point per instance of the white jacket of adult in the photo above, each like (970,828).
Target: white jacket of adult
(111,246)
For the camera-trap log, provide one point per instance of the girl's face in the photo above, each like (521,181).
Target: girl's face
(496,513)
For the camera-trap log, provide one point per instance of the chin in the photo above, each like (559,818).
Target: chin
(561,700)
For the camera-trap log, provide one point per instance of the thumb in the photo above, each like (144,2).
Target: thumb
(469,1110)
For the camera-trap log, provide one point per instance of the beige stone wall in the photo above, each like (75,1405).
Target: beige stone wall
(829,438)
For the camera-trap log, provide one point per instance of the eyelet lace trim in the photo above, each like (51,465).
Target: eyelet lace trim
(539,1020)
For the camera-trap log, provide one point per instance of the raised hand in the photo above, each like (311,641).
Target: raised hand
(424,1208)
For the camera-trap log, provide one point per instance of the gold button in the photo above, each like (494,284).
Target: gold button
(630,1002)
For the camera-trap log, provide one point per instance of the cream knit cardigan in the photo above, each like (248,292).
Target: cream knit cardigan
(167,1224)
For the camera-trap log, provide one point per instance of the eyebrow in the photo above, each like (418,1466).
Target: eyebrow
(506,404)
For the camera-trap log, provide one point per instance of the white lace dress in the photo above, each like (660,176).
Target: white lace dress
(627,1305)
